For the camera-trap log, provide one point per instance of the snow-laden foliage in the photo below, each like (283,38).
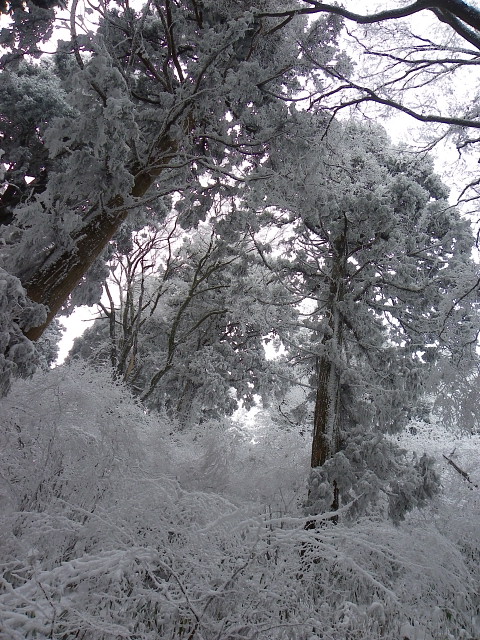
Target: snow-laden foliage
(186,321)
(151,98)
(452,395)
(383,267)
(30,26)
(106,535)
(17,314)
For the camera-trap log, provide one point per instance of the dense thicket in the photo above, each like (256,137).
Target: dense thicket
(110,528)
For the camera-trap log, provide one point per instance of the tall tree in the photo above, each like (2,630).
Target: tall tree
(154,94)
(159,96)
(384,266)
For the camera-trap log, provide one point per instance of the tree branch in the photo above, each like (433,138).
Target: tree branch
(463,473)
(453,12)
(369,95)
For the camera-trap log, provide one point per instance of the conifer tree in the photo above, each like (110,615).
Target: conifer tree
(383,265)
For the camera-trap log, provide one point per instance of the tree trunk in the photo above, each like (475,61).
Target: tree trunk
(326,422)
(54,282)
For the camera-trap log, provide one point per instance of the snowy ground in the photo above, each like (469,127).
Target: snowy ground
(115,526)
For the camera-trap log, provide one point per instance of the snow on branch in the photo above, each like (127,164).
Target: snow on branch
(17,314)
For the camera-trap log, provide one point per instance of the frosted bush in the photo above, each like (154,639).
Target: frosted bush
(106,535)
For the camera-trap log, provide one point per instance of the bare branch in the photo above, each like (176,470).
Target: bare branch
(463,473)
(369,95)
(456,13)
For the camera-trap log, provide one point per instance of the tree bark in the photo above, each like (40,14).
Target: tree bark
(326,418)
(326,422)
(53,283)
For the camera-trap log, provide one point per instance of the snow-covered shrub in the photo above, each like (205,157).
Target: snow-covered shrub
(65,440)
(105,533)
(255,461)
(209,570)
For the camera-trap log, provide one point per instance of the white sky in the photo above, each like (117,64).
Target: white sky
(75,324)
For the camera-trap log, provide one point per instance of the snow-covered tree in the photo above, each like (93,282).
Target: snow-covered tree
(383,265)
(185,321)
(140,103)
(452,395)
(157,97)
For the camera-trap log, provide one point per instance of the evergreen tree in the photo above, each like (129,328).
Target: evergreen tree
(157,98)
(383,265)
